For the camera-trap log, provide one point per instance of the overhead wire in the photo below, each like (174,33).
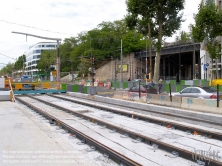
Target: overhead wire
(27,26)
(7,56)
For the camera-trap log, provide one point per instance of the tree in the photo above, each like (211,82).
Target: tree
(65,52)
(183,37)
(20,63)
(47,58)
(162,16)
(7,70)
(104,41)
(208,25)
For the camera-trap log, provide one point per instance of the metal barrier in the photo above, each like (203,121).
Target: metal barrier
(36,86)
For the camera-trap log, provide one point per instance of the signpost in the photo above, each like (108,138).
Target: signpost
(205,66)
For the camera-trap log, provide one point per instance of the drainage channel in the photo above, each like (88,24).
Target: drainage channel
(138,137)
(168,124)
(94,144)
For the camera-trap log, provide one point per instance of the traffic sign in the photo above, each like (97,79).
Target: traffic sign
(204,66)
(54,72)
(207,64)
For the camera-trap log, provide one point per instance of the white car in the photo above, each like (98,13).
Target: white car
(199,92)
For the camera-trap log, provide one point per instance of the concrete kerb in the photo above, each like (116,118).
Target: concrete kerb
(206,105)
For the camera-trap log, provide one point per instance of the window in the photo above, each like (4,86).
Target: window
(209,89)
(194,90)
(187,90)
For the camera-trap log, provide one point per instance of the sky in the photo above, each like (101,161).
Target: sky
(60,19)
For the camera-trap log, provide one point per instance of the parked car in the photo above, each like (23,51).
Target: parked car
(143,89)
(199,92)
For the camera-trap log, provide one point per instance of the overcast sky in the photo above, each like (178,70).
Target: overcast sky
(66,17)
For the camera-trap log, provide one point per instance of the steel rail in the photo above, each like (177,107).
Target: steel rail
(186,154)
(114,155)
(207,133)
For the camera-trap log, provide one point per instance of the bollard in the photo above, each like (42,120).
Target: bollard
(170,92)
(218,95)
(139,89)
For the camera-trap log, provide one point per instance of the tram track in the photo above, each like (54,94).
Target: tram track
(148,140)
(162,122)
(114,155)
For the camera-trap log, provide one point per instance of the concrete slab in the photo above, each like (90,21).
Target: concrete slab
(5,95)
(28,139)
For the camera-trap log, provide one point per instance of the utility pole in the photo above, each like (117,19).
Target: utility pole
(115,76)
(146,60)
(121,62)
(150,50)
(58,55)
(111,67)
(92,63)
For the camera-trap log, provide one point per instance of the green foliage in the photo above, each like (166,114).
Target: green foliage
(47,58)
(163,16)
(105,41)
(19,64)
(7,70)
(183,37)
(101,42)
(65,51)
(208,25)
(84,65)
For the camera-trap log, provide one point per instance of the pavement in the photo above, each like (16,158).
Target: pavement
(28,139)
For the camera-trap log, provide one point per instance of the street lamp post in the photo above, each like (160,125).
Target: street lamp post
(146,60)
(92,62)
(121,62)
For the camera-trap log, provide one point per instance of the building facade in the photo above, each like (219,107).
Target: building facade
(33,55)
(216,71)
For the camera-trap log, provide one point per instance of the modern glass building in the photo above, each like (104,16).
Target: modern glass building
(33,55)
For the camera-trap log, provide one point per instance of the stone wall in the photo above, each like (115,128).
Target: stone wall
(107,72)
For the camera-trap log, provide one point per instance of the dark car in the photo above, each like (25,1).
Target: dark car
(143,89)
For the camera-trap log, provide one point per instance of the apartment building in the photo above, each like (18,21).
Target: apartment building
(33,55)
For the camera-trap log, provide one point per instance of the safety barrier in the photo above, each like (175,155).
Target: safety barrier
(5,96)
(164,100)
(203,105)
(38,86)
(118,95)
(134,96)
